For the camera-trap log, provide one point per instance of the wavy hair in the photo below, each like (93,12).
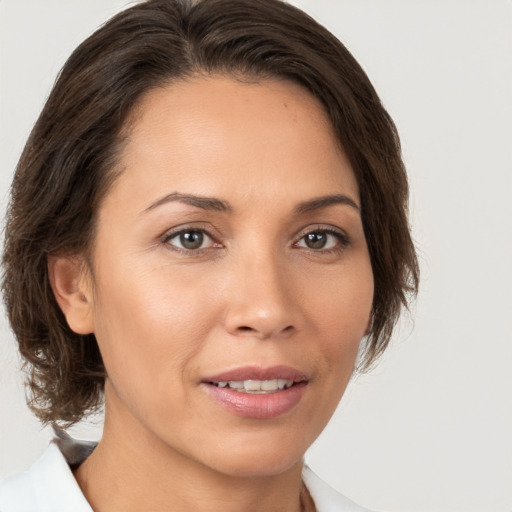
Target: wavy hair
(68,165)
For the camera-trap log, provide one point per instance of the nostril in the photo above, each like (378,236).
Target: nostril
(252,330)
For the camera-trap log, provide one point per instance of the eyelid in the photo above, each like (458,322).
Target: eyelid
(344,239)
(178,230)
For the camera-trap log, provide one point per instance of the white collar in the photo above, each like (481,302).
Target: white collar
(47,486)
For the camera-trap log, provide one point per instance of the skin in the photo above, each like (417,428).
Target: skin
(253,294)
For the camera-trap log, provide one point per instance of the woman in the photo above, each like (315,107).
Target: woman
(208,218)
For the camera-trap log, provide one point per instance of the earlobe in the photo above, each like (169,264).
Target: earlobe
(70,283)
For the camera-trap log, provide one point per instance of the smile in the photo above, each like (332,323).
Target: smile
(256,386)
(258,393)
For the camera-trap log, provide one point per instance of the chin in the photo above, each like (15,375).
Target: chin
(263,466)
(256,458)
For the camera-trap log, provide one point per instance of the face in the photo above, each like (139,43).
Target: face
(231,277)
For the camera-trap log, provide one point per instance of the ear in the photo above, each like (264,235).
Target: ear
(70,282)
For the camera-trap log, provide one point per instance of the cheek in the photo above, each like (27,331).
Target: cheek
(342,303)
(150,323)
(339,314)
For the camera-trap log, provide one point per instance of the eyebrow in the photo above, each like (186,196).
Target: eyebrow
(205,203)
(324,202)
(214,204)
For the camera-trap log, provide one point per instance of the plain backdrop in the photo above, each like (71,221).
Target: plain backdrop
(430,429)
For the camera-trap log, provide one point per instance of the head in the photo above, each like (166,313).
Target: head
(166,54)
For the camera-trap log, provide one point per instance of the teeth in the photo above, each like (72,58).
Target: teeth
(269,385)
(256,386)
(283,383)
(252,385)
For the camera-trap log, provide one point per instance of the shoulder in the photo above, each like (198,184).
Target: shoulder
(47,486)
(326,498)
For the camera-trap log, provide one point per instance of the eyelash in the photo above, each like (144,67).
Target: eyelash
(343,240)
(191,252)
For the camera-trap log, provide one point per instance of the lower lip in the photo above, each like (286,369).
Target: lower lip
(258,405)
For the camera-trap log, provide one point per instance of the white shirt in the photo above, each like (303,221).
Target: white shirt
(49,486)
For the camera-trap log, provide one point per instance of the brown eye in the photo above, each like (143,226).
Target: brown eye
(316,240)
(190,240)
(322,239)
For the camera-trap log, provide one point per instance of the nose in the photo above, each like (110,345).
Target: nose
(261,301)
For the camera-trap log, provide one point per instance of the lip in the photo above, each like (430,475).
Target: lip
(258,373)
(257,406)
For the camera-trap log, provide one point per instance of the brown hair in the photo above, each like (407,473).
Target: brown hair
(67,164)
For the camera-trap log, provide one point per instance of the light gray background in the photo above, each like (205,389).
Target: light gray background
(430,429)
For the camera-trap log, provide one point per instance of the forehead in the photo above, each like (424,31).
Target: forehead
(218,136)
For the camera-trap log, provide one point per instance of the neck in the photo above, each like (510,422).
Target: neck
(131,470)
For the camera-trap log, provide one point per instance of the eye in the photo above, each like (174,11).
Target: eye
(190,240)
(322,239)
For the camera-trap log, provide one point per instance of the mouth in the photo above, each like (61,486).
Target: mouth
(254,392)
(254,379)
(255,386)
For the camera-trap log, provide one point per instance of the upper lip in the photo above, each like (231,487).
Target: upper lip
(258,373)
